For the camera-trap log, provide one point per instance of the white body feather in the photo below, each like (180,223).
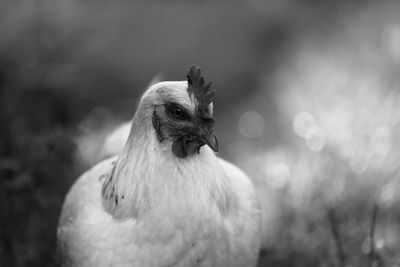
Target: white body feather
(196,211)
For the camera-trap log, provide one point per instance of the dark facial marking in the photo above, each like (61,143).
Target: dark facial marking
(177,111)
(157,126)
(187,133)
(168,124)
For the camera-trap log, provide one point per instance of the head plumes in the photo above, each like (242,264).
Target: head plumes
(198,89)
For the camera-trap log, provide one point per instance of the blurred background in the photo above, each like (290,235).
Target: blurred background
(308,104)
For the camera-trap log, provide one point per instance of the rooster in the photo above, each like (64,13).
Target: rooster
(166,199)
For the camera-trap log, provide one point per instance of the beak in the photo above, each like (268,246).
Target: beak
(211,140)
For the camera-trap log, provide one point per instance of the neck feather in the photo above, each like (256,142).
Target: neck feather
(147,174)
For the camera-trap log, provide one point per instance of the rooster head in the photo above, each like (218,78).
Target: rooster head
(182,113)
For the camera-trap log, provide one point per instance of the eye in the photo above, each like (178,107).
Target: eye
(178,113)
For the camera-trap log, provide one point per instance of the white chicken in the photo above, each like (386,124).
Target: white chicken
(166,199)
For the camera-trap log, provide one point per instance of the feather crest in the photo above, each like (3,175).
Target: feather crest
(197,87)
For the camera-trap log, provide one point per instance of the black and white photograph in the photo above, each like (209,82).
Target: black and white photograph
(209,133)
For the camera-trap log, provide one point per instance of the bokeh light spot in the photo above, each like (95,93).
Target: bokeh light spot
(251,124)
(315,138)
(380,243)
(388,194)
(302,123)
(277,174)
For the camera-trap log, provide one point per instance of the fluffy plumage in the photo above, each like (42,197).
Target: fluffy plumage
(153,206)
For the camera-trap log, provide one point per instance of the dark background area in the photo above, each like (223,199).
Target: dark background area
(308,104)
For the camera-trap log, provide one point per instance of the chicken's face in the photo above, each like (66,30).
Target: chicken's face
(183,114)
